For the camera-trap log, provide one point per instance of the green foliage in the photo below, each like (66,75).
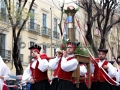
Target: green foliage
(81,50)
(63,45)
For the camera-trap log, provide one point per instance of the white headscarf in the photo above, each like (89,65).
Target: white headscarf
(4,71)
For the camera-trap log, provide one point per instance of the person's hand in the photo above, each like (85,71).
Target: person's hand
(1,77)
(105,67)
(59,54)
(64,53)
(32,81)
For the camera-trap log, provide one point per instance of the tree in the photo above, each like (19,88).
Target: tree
(16,18)
(102,12)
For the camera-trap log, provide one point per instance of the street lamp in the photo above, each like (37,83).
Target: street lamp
(70,22)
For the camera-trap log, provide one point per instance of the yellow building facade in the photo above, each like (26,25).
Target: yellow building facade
(41,28)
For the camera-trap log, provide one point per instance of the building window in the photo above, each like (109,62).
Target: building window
(54,51)
(44,49)
(3,10)
(2,45)
(44,17)
(32,43)
(32,16)
(55,24)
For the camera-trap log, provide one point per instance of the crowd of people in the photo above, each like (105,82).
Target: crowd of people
(104,75)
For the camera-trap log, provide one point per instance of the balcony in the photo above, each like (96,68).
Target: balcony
(34,28)
(56,34)
(46,32)
(5,54)
(3,17)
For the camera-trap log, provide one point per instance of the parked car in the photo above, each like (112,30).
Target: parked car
(16,80)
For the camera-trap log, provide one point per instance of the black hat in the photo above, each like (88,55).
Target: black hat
(103,50)
(74,43)
(35,47)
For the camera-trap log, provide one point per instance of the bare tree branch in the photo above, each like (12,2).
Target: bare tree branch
(18,34)
(25,1)
(60,27)
(9,11)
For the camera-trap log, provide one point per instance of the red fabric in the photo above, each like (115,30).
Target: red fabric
(44,56)
(4,87)
(109,79)
(65,75)
(37,74)
(57,69)
(91,79)
(97,74)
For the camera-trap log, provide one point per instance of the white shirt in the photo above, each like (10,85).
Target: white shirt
(83,70)
(112,71)
(67,66)
(4,71)
(43,66)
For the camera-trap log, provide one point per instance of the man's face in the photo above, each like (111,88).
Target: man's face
(101,55)
(34,53)
(70,49)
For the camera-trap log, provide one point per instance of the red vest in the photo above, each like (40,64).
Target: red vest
(57,69)
(37,74)
(65,75)
(98,75)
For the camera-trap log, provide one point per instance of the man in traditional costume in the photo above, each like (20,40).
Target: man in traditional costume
(4,74)
(54,64)
(100,78)
(67,65)
(36,72)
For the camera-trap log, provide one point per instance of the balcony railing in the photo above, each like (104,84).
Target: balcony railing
(3,16)
(56,34)
(5,54)
(34,28)
(46,32)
